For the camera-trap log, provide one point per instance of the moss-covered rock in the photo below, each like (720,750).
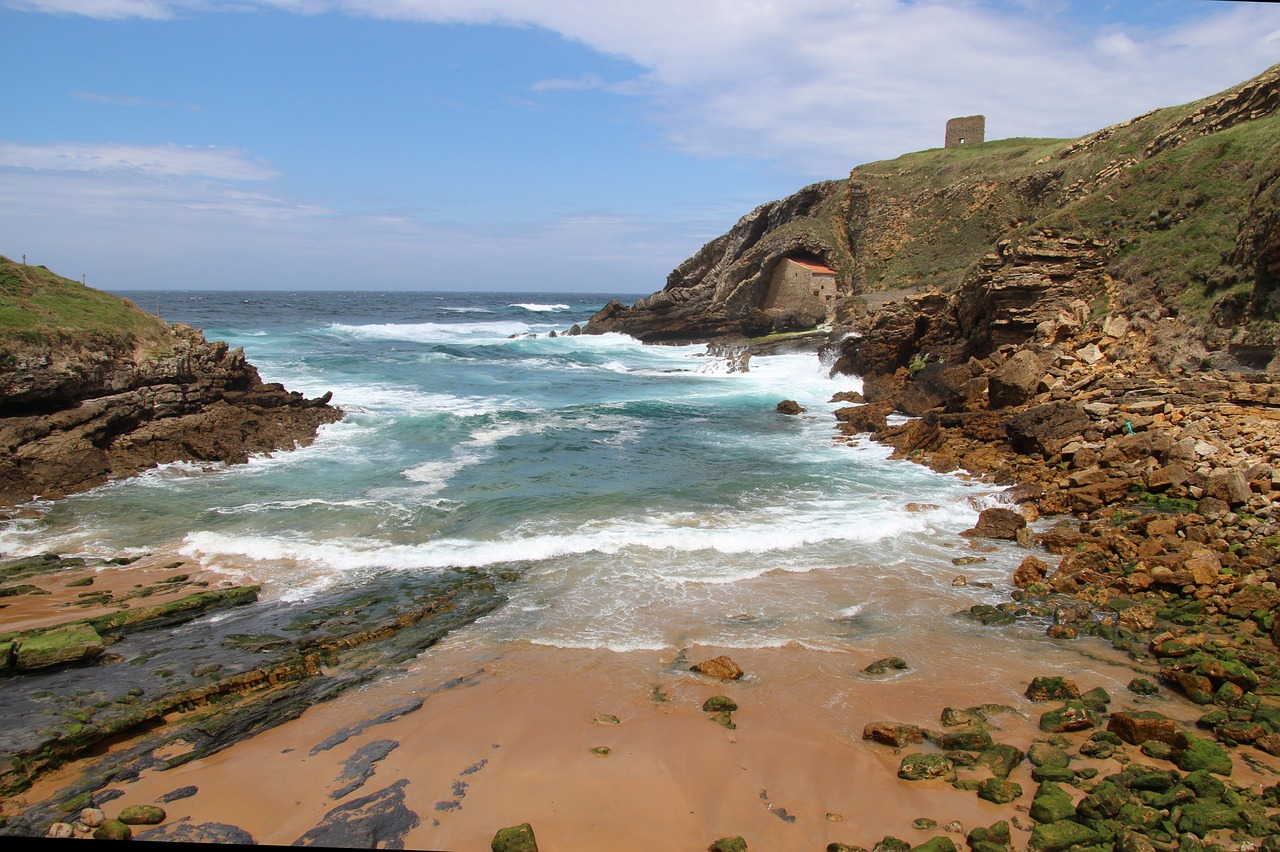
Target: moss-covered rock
(70,644)
(1051,803)
(999,791)
(1191,753)
(1045,755)
(937,844)
(517,838)
(1062,835)
(924,767)
(113,829)
(887,664)
(1001,759)
(728,844)
(716,703)
(1200,818)
(1052,689)
(1071,716)
(142,815)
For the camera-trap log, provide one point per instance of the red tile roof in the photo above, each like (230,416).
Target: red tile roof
(813,267)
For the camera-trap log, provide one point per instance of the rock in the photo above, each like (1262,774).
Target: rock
(924,767)
(970,738)
(113,829)
(1001,759)
(59,831)
(860,419)
(721,667)
(517,838)
(1044,754)
(728,844)
(1142,686)
(1062,835)
(142,815)
(1071,716)
(1052,689)
(717,703)
(378,820)
(1191,753)
(892,734)
(1137,726)
(998,523)
(70,644)
(883,665)
(790,406)
(1046,428)
(1051,803)
(1015,381)
(180,793)
(999,791)
(205,832)
(936,844)
(93,817)
(1032,570)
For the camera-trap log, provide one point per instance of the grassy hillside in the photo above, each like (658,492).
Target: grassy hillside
(37,306)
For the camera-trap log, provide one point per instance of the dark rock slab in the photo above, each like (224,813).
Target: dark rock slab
(359,768)
(204,832)
(380,820)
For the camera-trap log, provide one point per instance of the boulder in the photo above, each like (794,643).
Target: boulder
(790,406)
(721,667)
(517,838)
(892,733)
(925,767)
(997,522)
(1032,570)
(1052,689)
(1046,428)
(142,815)
(1015,381)
(1137,726)
(728,844)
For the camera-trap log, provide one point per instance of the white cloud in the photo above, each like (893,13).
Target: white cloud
(820,85)
(153,160)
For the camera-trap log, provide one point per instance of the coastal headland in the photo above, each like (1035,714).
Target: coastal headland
(1088,323)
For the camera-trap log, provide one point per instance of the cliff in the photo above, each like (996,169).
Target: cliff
(1173,215)
(93,389)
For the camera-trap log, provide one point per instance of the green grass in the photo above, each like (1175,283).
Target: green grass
(37,306)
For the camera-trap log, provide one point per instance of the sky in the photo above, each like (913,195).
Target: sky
(552,145)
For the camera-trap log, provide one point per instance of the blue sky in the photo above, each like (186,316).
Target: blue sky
(524,144)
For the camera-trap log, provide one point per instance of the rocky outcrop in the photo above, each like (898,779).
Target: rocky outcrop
(721,290)
(79,409)
(1173,216)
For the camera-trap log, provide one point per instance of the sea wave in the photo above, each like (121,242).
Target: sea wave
(433,332)
(540,308)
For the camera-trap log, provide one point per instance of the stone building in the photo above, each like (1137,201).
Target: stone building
(967,130)
(804,288)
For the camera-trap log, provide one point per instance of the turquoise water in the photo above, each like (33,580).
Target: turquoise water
(646,496)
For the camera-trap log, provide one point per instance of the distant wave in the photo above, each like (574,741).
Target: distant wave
(534,306)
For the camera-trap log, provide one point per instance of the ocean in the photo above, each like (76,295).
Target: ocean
(644,496)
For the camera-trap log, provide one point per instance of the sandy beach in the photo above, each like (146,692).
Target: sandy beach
(473,736)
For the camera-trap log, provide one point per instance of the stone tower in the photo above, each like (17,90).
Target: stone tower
(969,130)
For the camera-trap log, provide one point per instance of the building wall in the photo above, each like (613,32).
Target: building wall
(798,290)
(968,130)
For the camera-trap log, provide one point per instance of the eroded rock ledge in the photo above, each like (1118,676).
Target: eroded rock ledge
(77,413)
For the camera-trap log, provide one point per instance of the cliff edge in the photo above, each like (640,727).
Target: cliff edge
(92,389)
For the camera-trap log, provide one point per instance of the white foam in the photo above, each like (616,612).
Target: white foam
(539,308)
(434,332)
